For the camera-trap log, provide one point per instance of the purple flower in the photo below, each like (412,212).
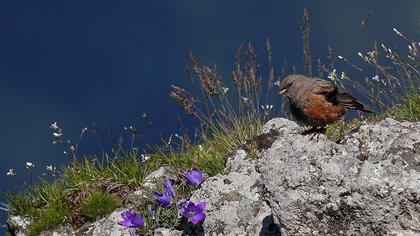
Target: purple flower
(131,220)
(194,178)
(194,213)
(164,200)
(182,203)
(169,188)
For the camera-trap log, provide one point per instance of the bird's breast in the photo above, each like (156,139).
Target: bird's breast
(319,111)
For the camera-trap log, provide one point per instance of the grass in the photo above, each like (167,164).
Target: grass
(229,116)
(50,218)
(99,204)
(409,110)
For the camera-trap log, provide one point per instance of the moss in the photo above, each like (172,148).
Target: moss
(99,204)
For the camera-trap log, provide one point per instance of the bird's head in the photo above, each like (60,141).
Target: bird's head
(286,83)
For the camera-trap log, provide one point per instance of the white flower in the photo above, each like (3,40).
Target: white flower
(11,172)
(333,76)
(277,83)
(57,135)
(267,107)
(398,32)
(51,169)
(72,148)
(30,165)
(54,125)
(245,99)
(225,90)
(84,129)
(145,157)
(376,78)
(360,54)
(200,147)
(343,76)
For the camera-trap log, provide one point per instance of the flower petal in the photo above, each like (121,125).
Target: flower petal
(126,223)
(201,206)
(169,188)
(197,218)
(138,222)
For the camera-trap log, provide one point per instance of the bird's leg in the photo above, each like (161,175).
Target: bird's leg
(315,131)
(318,131)
(310,131)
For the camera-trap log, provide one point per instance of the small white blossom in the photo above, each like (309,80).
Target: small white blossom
(245,99)
(57,135)
(398,32)
(277,83)
(51,169)
(72,148)
(376,78)
(342,58)
(30,165)
(11,172)
(225,90)
(360,54)
(200,147)
(54,125)
(144,157)
(267,109)
(333,76)
(343,76)
(130,129)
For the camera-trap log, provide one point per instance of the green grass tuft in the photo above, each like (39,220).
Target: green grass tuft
(99,204)
(50,218)
(20,204)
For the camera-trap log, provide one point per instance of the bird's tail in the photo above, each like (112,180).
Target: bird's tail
(347,101)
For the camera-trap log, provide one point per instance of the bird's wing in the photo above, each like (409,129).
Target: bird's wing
(337,96)
(323,87)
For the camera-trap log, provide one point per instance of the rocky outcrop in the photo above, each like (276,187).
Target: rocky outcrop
(234,201)
(369,184)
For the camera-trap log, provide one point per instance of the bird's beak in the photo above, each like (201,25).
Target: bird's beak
(282,91)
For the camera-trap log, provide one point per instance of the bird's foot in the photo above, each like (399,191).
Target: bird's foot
(315,131)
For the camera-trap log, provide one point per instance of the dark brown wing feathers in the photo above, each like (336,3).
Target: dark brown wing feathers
(340,98)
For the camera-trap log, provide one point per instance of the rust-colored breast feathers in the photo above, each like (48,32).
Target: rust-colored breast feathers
(322,112)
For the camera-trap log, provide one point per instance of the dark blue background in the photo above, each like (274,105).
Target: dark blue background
(78,62)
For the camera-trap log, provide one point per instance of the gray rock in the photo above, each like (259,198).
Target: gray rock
(19,225)
(108,226)
(369,185)
(167,232)
(141,196)
(234,203)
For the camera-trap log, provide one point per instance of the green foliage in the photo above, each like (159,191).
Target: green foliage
(49,218)
(20,204)
(409,110)
(99,204)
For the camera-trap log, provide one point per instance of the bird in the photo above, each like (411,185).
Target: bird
(316,102)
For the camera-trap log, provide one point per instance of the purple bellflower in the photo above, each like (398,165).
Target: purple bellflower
(194,177)
(165,199)
(169,188)
(131,220)
(194,213)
